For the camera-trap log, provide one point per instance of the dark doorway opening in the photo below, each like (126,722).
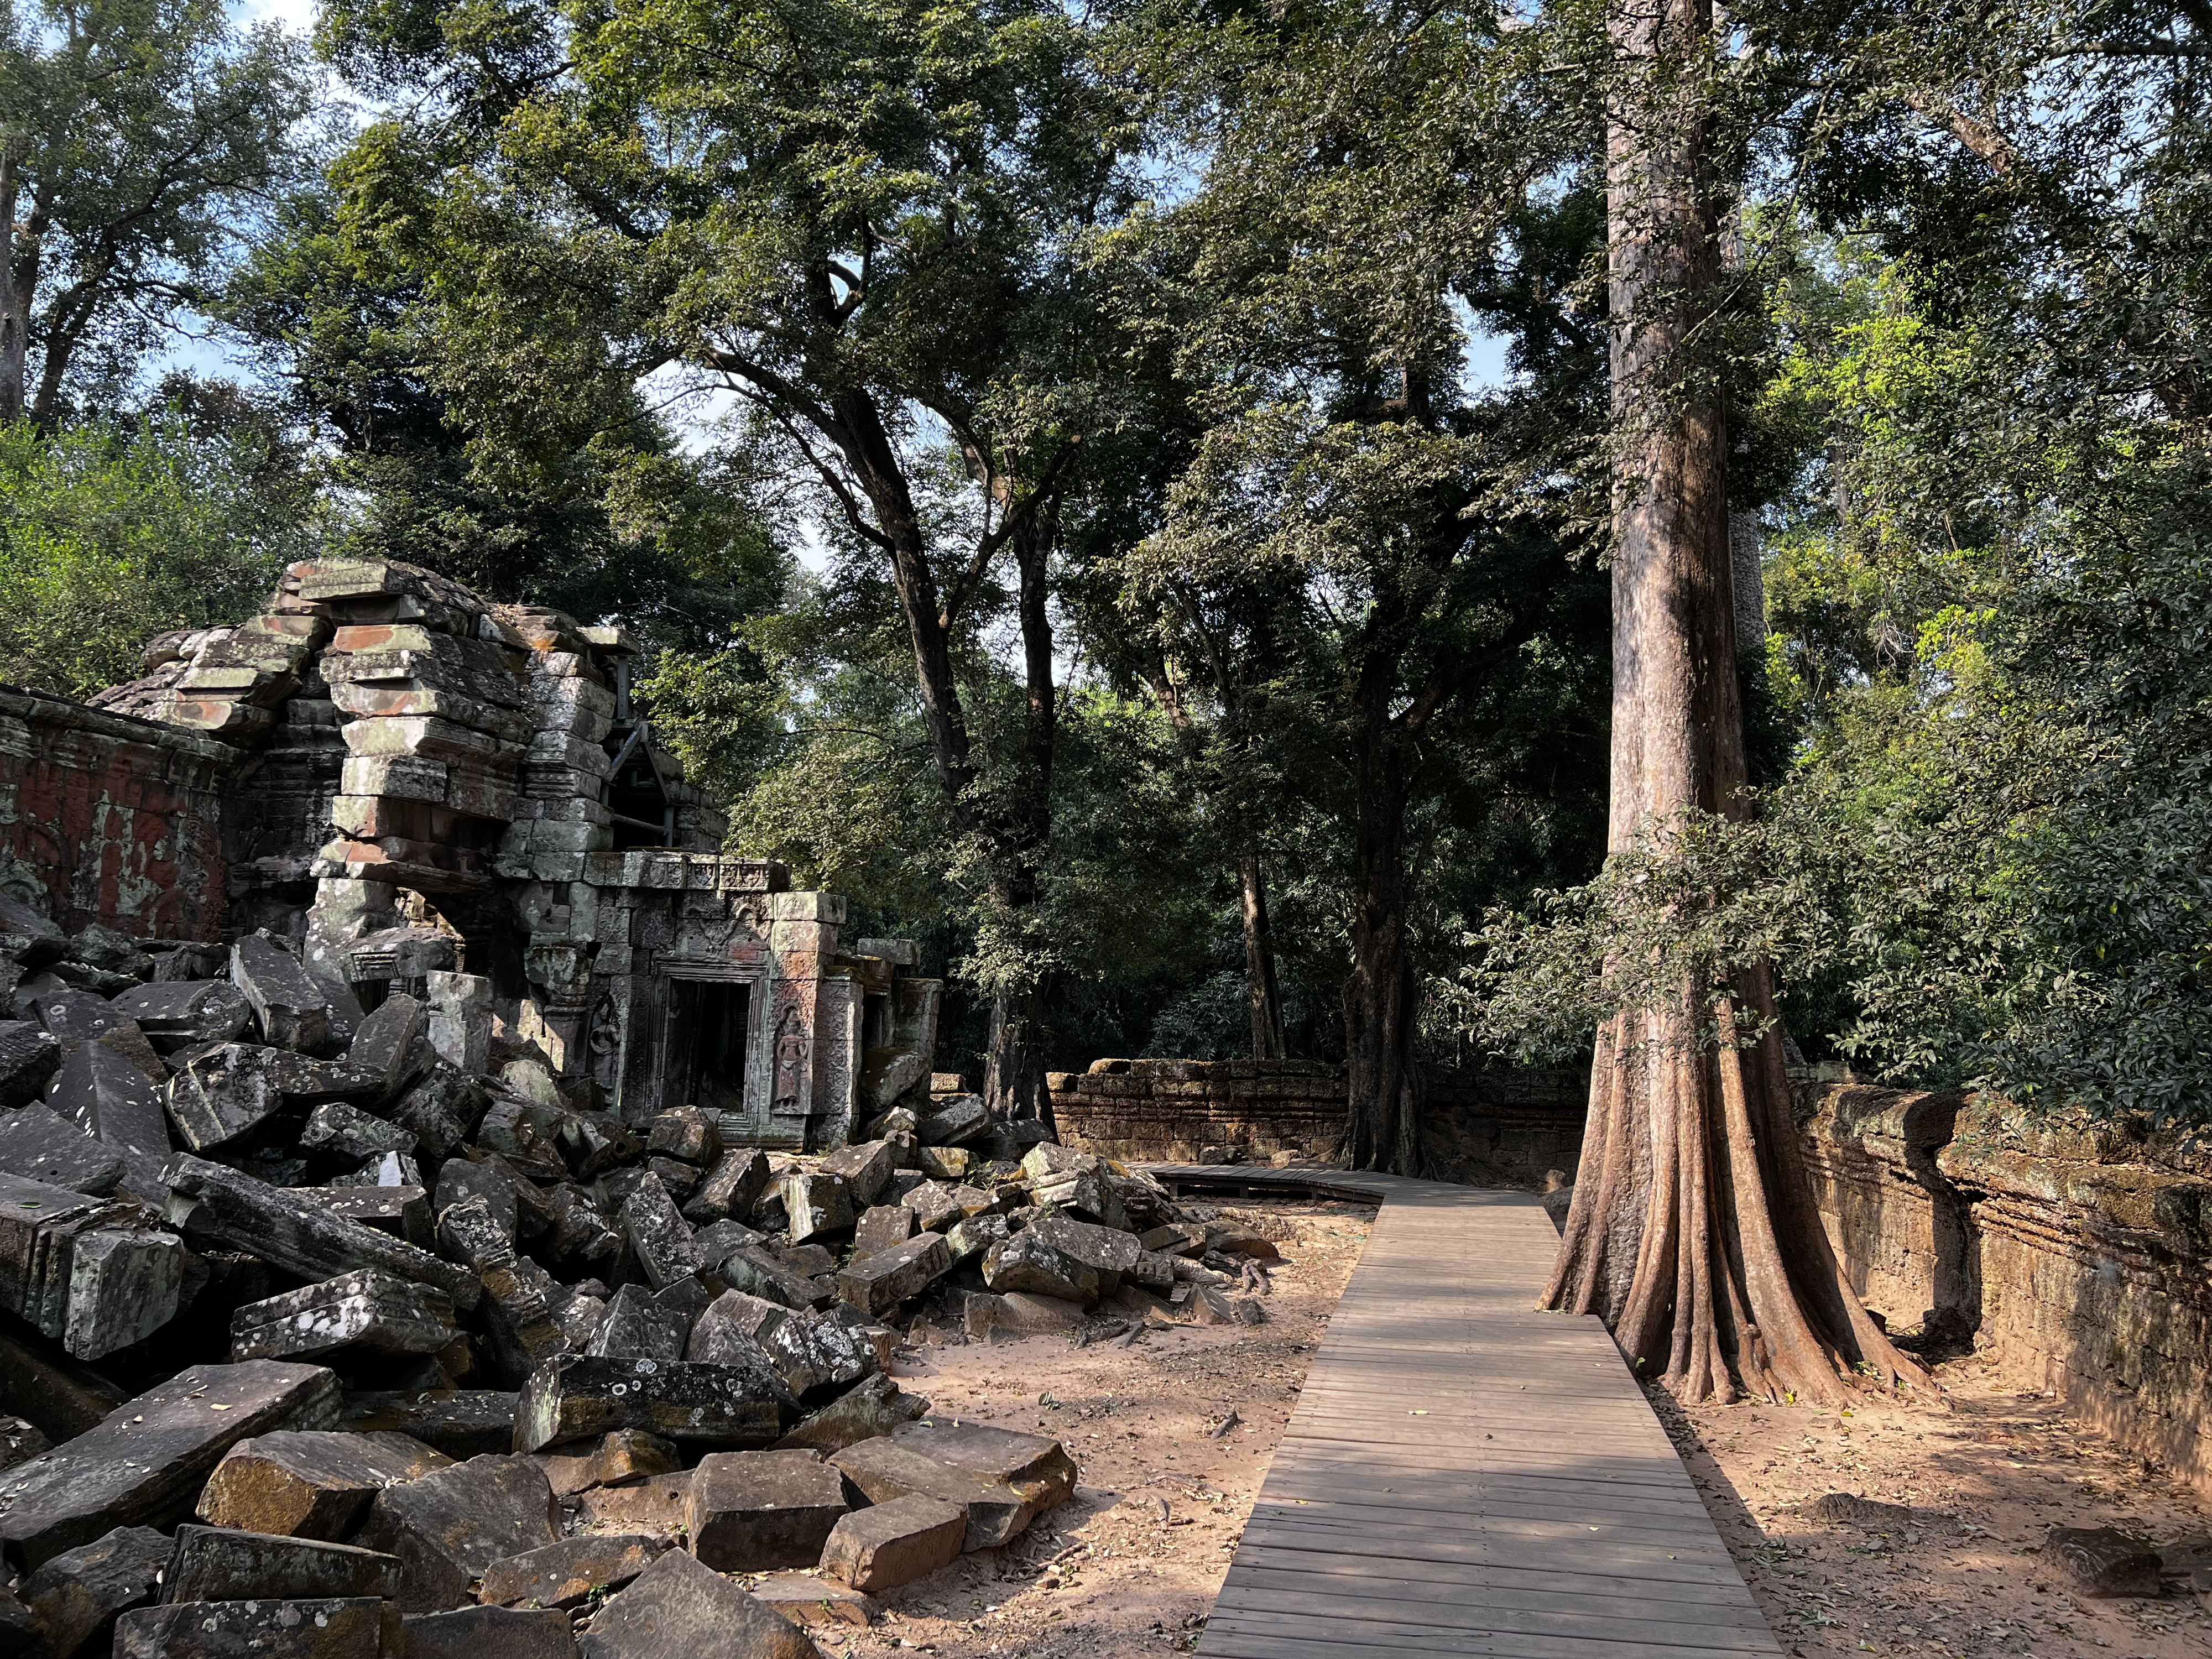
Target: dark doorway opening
(707,1021)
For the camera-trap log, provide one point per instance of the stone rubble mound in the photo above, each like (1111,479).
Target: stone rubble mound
(330,1332)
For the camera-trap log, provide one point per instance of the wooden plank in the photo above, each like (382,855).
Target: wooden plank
(1464,1475)
(1568,1638)
(1679,1575)
(1516,1603)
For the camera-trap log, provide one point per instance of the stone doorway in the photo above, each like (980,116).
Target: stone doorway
(709,1038)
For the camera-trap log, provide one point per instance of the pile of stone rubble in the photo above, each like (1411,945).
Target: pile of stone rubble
(313,1342)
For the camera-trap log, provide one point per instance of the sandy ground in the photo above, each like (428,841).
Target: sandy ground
(1988,1472)
(1130,1565)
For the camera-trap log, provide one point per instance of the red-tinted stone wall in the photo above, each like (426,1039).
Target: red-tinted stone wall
(118,820)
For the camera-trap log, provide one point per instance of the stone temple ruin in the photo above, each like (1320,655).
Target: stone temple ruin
(444,1202)
(459,798)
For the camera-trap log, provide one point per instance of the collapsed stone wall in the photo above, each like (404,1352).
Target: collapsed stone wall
(1480,1125)
(423,791)
(2079,1260)
(112,820)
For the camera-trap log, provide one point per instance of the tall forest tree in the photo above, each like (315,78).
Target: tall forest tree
(1366,552)
(617,523)
(143,140)
(1692,1229)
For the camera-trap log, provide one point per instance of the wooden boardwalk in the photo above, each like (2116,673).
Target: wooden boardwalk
(1463,1475)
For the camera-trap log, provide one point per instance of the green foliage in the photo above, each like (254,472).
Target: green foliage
(615,523)
(146,135)
(110,534)
(809,727)
(1987,861)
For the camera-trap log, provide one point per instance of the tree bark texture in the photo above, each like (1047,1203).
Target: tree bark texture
(1267,996)
(1692,1231)
(14,318)
(1012,816)
(1382,996)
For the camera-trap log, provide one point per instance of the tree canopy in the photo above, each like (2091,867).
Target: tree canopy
(1132,495)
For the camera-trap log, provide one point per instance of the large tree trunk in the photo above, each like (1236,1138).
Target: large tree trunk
(1267,997)
(1013,1070)
(1013,1079)
(15,331)
(1012,821)
(1381,998)
(1693,1228)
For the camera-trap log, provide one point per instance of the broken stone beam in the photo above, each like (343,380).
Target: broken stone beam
(460,1019)
(972,1237)
(579,1396)
(458,1422)
(939,1204)
(569,1571)
(310,1483)
(520,1318)
(731,1188)
(817,1205)
(887,1545)
(867,1411)
(402,1212)
(1086,1193)
(342,1132)
(392,1316)
(186,1013)
(225,1093)
(883,1226)
(82,1269)
(42,1146)
(877,1283)
(358,1628)
(443,1111)
(639,1327)
(107,1097)
(688,1132)
(215,1564)
(386,1042)
(883,1470)
(1025,1262)
(812,1354)
(77,1595)
(1104,1249)
(960,1118)
(490,1633)
(124,1283)
(1034,1465)
(750,1511)
(866,1169)
(293,1007)
(448,1527)
(29,1054)
(659,1237)
(147,1462)
(754,1271)
(297,1235)
(729,1333)
(679,1610)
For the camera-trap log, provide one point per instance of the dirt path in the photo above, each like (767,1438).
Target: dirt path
(1990,1470)
(1131,1563)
